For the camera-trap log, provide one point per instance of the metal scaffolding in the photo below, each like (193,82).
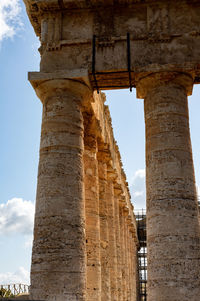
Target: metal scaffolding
(142,253)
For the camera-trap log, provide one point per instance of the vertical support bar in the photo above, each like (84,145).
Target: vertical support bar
(94,62)
(129,60)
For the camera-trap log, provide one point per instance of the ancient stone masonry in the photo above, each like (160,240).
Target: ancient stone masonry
(85,241)
(77,244)
(171,191)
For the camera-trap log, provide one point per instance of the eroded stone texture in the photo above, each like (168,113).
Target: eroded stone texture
(160,37)
(84,49)
(104,231)
(123,261)
(173,238)
(117,192)
(59,257)
(91,181)
(77,229)
(112,237)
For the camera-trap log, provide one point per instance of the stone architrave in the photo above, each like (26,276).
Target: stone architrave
(173,234)
(58,269)
(92,224)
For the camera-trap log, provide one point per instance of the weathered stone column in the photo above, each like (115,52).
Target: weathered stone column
(91,182)
(122,239)
(134,263)
(117,192)
(58,269)
(126,211)
(130,259)
(112,235)
(173,237)
(104,232)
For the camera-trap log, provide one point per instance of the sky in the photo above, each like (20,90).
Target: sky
(20,123)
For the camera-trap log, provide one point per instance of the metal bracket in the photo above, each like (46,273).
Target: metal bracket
(129,60)
(94,61)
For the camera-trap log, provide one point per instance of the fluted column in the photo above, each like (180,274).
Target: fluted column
(91,182)
(132,262)
(112,236)
(127,276)
(173,237)
(117,191)
(122,239)
(128,287)
(104,231)
(128,257)
(58,270)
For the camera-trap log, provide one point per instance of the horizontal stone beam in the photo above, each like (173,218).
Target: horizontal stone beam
(131,40)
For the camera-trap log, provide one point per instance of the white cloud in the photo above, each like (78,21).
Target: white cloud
(20,276)
(138,189)
(138,193)
(198,192)
(9,18)
(29,241)
(140,173)
(17,216)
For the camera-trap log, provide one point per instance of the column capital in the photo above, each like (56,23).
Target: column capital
(153,80)
(45,88)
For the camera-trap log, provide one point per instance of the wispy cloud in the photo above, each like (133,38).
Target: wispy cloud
(139,174)
(20,276)
(16,216)
(198,192)
(137,189)
(9,18)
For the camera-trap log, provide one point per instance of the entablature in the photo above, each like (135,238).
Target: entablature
(119,43)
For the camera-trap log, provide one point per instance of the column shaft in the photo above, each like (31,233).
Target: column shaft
(127,253)
(112,239)
(58,269)
(173,237)
(118,249)
(92,219)
(123,260)
(104,231)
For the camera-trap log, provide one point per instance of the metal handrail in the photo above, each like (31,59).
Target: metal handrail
(15,289)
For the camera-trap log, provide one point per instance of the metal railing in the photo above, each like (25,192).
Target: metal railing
(9,290)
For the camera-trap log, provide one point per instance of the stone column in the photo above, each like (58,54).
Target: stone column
(58,269)
(112,236)
(104,231)
(134,263)
(125,213)
(131,261)
(173,237)
(130,258)
(91,182)
(122,239)
(118,191)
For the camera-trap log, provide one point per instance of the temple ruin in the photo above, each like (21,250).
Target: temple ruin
(85,235)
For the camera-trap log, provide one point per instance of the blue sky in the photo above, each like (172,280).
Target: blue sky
(20,122)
